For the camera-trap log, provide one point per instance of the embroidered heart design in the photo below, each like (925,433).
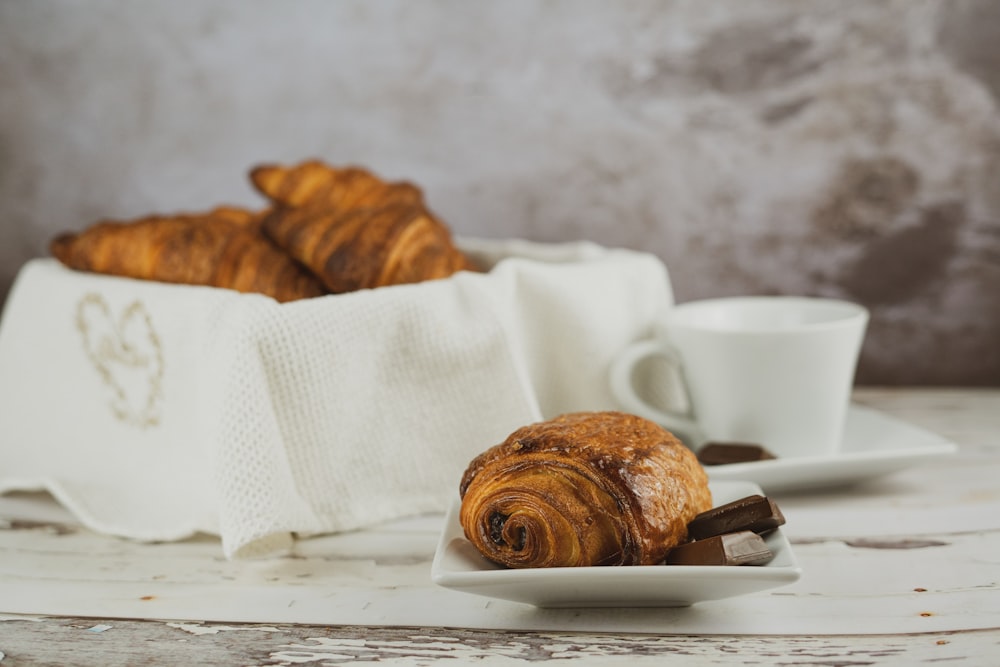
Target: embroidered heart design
(127,356)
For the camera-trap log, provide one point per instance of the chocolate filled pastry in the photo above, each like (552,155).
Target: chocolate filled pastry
(220,248)
(588,488)
(353,230)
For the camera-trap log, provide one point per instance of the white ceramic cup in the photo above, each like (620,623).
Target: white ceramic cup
(772,370)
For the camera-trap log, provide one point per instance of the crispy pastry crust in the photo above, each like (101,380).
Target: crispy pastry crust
(589,488)
(221,248)
(353,230)
(327,230)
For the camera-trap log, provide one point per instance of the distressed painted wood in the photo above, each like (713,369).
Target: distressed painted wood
(118,643)
(901,570)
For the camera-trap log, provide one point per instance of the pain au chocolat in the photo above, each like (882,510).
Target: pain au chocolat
(588,488)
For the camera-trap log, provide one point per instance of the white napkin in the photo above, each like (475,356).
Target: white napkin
(155,411)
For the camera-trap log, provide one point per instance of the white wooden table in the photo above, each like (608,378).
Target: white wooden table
(902,570)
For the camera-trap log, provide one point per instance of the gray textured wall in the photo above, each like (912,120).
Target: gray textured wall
(828,147)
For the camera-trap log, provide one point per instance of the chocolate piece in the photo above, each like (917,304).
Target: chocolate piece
(742,548)
(755,513)
(721,453)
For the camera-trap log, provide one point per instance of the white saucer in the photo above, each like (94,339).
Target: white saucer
(874,445)
(458,565)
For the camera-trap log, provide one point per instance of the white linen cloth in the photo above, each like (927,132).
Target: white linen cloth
(155,411)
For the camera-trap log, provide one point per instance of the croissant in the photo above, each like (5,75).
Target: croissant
(313,182)
(221,248)
(353,230)
(588,488)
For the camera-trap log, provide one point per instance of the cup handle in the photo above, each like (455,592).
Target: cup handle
(683,425)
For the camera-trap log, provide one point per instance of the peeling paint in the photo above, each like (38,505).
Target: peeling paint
(872,543)
(201,629)
(45,526)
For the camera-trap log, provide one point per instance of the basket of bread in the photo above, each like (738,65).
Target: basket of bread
(322,362)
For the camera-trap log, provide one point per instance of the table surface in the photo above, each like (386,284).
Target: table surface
(903,569)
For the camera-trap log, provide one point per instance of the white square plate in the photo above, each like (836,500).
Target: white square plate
(874,444)
(459,566)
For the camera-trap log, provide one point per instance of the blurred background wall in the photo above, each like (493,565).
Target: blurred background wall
(826,147)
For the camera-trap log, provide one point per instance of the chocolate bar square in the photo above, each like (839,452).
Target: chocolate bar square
(741,548)
(722,453)
(755,513)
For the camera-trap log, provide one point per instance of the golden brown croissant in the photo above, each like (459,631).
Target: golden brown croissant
(588,488)
(353,230)
(222,248)
(313,182)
